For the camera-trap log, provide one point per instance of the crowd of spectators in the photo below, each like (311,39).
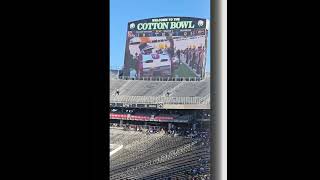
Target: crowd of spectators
(194,57)
(201,136)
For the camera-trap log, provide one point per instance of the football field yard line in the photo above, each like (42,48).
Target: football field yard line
(116,150)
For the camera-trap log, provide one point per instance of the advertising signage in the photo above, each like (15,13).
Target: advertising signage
(166,47)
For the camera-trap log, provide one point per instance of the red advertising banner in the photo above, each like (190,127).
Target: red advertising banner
(139,117)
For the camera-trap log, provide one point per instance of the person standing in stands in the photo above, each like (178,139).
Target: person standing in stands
(136,60)
(171,50)
(178,55)
(187,55)
(201,60)
(193,60)
(190,57)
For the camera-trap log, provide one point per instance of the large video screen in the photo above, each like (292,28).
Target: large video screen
(166,47)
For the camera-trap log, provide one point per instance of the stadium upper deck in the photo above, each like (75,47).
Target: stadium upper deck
(160,94)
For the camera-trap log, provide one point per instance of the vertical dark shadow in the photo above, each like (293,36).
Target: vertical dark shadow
(106,58)
(213,68)
(100,102)
(214,86)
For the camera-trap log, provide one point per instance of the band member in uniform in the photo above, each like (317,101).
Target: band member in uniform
(170,51)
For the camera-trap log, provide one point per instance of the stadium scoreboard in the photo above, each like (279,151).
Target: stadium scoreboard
(166,47)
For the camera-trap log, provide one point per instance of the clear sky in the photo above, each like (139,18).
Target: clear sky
(124,11)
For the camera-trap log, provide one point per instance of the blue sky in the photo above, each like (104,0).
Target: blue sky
(124,11)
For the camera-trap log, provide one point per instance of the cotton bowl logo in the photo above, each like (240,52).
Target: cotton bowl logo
(132,25)
(200,23)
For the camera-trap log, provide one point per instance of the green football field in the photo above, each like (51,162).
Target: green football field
(183,71)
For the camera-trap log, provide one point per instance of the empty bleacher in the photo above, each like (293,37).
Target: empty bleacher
(170,92)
